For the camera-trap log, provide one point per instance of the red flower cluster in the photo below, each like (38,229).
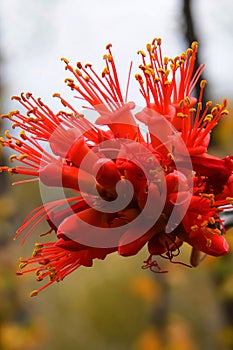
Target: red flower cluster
(131,185)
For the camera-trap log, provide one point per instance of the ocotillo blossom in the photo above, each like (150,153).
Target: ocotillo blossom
(136,176)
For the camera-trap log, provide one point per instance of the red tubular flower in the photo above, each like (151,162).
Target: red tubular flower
(131,188)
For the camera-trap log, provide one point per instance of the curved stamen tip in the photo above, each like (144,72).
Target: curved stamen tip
(34,293)
(28,95)
(7,134)
(108,46)
(194,46)
(88,65)
(64,59)
(17,98)
(148,47)
(203,83)
(141,52)
(56,94)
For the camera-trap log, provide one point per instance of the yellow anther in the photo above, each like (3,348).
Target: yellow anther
(187,100)
(64,59)
(161,70)
(181,104)
(68,80)
(138,77)
(217,231)
(148,47)
(7,134)
(3,116)
(39,245)
(225,112)
(22,265)
(182,115)
(194,228)
(22,134)
(170,156)
(36,252)
(22,156)
(172,66)
(78,71)
(211,220)
(2,141)
(214,110)
(105,71)
(189,51)
(56,94)
(141,53)
(208,118)
(17,98)
(167,82)
(110,59)
(15,125)
(166,60)
(31,111)
(229,200)
(159,41)
(203,84)
(148,72)
(209,196)
(192,110)
(18,143)
(204,223)
(208,243)
(199,217)
(194,46)
(39,277)
(12,157)
(108,46)
(22,259)
(28,95)
(88,65)
(34,293)
(209,103)
(52,275)
(183,57)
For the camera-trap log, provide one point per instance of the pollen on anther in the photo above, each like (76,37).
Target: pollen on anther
(7,134)
(34,293)
(140,52)
(12,157)
(203,84)
(65,60)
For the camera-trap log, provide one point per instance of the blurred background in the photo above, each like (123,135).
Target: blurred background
(116,305)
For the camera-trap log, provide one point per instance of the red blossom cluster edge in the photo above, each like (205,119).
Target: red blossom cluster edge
(164,185)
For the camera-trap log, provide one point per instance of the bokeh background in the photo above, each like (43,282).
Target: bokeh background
(116,305)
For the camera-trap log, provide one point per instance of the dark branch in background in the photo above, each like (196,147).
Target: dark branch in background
(218,277)
(191,35)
